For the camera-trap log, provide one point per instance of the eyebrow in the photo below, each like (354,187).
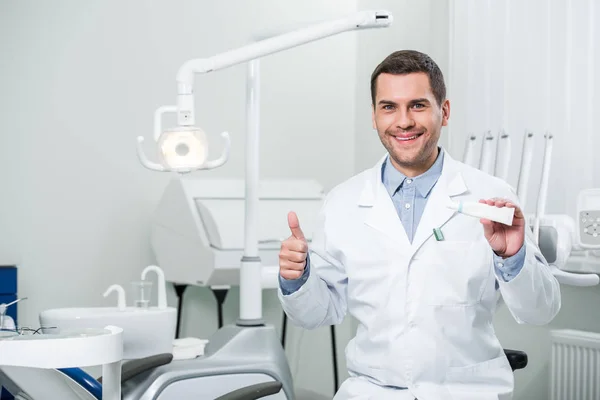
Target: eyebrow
(422,100)
(414,101)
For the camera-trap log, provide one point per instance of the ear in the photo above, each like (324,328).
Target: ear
(445,112)
(373,117)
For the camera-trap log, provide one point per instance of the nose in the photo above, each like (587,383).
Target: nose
(404,120)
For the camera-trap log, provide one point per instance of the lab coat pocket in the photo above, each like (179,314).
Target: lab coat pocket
(491,379)
(457,273)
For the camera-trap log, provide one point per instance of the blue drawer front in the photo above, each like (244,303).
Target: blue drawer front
(8,280)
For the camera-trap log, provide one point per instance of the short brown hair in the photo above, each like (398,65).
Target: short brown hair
(410,61)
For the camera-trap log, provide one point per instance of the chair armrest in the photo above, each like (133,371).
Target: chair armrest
(517,359)
(253,392)
(137,366)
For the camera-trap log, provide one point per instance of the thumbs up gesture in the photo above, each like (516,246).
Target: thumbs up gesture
(294,250)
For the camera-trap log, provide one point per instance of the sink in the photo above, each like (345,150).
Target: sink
(146,332)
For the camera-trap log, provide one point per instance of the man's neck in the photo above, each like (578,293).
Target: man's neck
(415,171)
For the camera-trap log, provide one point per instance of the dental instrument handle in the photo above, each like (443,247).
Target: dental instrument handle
(503,215)
(525,169)
(162,291)
(224,154)
(469,157)
(543,192)
(144,160)
(502,169)
(487,161)
(15,301)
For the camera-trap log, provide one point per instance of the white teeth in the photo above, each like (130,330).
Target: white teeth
(408,138)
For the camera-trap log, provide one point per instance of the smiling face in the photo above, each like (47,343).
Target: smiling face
(409,120)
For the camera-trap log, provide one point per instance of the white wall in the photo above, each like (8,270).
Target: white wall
(418,25)
(80,81)
(532,66)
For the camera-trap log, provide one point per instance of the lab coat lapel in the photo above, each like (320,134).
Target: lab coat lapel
(382,215)
(436,211)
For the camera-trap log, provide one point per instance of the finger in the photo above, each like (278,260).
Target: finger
(291,265)
(293,256)
(489,202)
(294,225)
(290,274)
(488,227)
(294,244)
(500,202)
(518,212)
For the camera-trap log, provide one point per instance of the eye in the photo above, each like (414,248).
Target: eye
(388,107)
(419,105)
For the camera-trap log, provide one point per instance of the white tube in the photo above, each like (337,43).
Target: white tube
(503,215)
(525,169)
(507,151)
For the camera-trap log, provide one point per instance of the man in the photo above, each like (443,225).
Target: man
(424,302)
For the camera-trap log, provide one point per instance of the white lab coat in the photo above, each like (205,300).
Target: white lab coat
(425,309)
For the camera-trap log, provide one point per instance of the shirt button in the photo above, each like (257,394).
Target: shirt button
(409,181)
(407,205)
(500,264)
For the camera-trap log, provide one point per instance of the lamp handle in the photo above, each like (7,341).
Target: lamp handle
(224,155)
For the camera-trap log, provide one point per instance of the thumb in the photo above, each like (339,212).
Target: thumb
(294,225)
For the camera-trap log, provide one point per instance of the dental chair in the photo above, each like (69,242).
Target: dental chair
(75,384)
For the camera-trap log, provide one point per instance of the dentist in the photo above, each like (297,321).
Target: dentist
(424,306)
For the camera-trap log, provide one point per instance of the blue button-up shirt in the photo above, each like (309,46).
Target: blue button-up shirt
(410,197)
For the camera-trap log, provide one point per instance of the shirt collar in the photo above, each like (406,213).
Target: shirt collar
(394,179)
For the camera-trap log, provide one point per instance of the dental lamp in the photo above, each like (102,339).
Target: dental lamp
(184,149)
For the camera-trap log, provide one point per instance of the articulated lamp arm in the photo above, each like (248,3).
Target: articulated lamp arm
(194,138)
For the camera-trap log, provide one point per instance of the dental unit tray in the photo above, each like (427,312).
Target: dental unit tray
(30,361)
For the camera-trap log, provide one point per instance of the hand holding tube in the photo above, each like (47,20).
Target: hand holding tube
(505,240)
